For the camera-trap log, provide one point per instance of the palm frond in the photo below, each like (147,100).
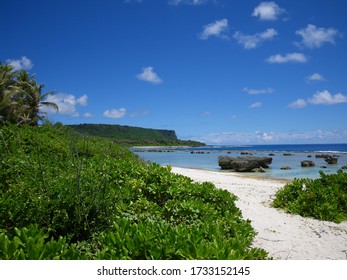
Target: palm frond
(50,104)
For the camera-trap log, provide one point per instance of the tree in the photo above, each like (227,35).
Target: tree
(31,99)
(7,84)
(21,97)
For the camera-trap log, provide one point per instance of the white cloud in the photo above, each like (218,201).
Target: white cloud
(258,91)
(20,64)
(149,75)
(189,2)
(320,98)
(217,29)
(264,136)
(255,105)
(267,137)
(300,103)
(83,100)
(253,41)
(88,115)
(259,137)
(268,11)
(313,37)
(115,113)
(67,104)
(315,77)
(290,57)
(325,98)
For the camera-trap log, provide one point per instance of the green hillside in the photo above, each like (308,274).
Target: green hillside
(129,135)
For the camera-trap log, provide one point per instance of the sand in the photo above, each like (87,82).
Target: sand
(283,235)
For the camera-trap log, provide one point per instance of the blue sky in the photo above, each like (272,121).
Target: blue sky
(218,71)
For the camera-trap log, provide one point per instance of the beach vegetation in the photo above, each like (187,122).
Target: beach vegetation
(324,198)
(64,195)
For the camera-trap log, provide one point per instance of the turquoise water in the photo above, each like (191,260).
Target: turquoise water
(207,158)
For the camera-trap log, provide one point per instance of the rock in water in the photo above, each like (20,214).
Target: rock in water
(244,164)
(285,168)
(331,159)
(307,163)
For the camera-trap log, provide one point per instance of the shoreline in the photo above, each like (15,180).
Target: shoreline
(245,175)
(283,235)
(285,165)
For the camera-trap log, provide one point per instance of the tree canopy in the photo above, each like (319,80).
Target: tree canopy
(21,97)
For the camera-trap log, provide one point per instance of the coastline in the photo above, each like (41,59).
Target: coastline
(286,159)
(283,235)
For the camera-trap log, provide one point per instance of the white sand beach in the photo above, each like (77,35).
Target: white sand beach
(283,235)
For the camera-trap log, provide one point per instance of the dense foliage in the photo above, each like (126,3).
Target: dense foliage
(324,198)
(21,97)
(63,196)
(134,136)
(125,132)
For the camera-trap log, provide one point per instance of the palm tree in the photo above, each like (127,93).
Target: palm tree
(7,85)
(32,99)
(21,97)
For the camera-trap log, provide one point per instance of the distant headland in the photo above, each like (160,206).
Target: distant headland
(134,136)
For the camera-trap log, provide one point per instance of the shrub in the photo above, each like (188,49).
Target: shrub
(68,196)
(324,198)
(31,244)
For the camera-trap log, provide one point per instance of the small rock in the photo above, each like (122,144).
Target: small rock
(331,160)
(246,153)
(307,163)
(285,168)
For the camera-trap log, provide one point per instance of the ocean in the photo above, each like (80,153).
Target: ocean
(207,158)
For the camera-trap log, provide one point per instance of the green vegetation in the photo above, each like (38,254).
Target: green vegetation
(67,196)
(134,136)
(21,97)
(324,198)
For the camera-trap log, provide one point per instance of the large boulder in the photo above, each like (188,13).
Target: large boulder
(244,164)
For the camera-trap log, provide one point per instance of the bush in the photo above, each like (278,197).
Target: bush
(324,198)
(31,244)
(72,197)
